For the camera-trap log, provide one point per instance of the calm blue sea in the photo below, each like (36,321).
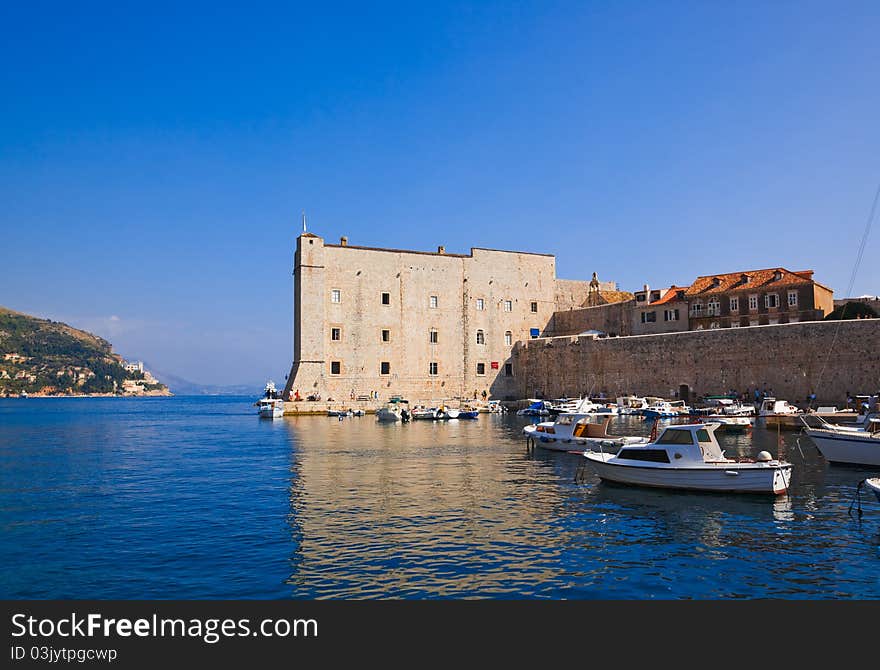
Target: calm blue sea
(196,497)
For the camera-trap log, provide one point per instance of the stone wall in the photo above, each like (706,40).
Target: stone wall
(791,360)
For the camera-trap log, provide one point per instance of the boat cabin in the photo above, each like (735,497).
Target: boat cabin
(771,406)
(678,444)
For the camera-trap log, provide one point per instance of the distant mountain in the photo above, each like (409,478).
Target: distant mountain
(45,357)
(180,386)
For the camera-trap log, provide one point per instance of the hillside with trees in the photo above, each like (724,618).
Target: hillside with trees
(45,357)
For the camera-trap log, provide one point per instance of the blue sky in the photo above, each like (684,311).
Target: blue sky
(154,160)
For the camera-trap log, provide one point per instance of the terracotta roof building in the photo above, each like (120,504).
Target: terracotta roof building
(660,310)
(756,297)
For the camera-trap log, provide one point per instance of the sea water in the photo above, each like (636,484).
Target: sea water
(197,497)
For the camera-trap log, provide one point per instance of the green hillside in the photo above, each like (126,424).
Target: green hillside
(41,356)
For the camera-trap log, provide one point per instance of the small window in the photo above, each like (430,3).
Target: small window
(670,315)
(652,455)
(386,298)
(713,307)
(508,306)
(534,308)
(384,368)
(481,338)
(481,304)
(386,335)
(649,317)
(335,334)
(703,435)
(753,303)
(432,336)
(481,368)
(792,299)
(771,300)
(508,369)
(432,368)
(734,304)
(335,367)
(508,338)
(335,295)
(433,302)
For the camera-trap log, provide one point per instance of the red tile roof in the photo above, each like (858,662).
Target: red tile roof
(671,295)
(755,280)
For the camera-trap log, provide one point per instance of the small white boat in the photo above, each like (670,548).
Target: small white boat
(687,456)
(495,407)
(577,429)
(631,404)
(666,409)
(23,394)
(779,414)
(271,405)
(394,411)
(847,444)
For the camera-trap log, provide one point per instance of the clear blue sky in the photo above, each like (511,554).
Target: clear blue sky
(154,160)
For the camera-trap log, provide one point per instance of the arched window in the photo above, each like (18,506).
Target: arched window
(481,339)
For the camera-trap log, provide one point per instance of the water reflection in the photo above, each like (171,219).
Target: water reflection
(462,509)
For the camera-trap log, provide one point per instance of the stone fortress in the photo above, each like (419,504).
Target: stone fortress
(371,323)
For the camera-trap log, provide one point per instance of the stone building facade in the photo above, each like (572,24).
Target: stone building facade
(379,323)
(756,298)
(659,311)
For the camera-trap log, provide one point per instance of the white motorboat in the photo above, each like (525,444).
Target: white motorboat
(687,456)
(779,414)
(393,411)
(631,404)
(271,405)
(847,444)
(666,409)
(738,409)
(577,429)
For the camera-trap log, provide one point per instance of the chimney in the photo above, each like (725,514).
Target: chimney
(343,241)
(441,250)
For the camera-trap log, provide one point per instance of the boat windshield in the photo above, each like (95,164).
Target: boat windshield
(676,436)
(703,435)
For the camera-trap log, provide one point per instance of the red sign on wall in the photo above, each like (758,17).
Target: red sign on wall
(494,365)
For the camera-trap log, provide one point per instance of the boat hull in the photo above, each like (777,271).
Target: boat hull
(847,448)
(271,413)
(873,485)
(720,478)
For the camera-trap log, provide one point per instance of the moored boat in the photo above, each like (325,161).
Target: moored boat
(271,405)
(780,414)
(578,429)
(688,457)
(666,409)
(847,444)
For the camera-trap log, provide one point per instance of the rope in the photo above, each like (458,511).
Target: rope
(858,497)
(852,281)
